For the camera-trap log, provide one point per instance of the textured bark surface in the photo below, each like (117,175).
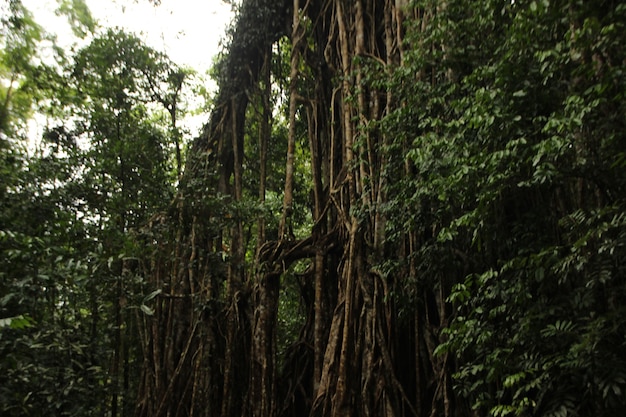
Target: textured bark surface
(210,346)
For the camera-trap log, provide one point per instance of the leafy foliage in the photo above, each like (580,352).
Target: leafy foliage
(517,136)
(71,287)
(500,157)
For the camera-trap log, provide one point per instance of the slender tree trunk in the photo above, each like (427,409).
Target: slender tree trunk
(232,402)
(285,230)
(176,136)
(262,383)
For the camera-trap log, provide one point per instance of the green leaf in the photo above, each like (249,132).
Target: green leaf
(514,379)
(152,295)
(147,310)
(79,16)
(18,323)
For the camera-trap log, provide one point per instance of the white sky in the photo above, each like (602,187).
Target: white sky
(188,31)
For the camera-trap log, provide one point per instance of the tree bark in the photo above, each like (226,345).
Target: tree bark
(351,355)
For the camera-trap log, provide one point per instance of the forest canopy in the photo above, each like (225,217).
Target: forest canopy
(395,208)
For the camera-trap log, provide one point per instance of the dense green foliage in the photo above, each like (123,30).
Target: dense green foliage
(515,139)
(504,192)
(71,288)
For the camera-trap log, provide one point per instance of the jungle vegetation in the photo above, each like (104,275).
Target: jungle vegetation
(395,208)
